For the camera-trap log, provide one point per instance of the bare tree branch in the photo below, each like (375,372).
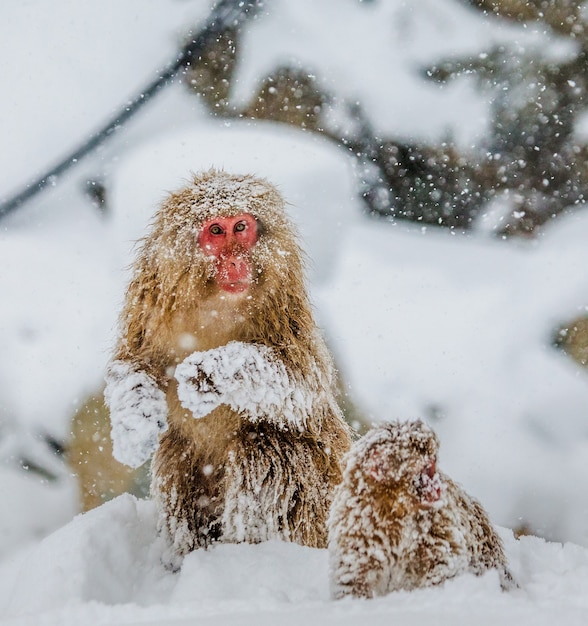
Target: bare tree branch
(224,14)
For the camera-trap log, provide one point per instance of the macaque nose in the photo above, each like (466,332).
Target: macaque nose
(238,265)
(234,268)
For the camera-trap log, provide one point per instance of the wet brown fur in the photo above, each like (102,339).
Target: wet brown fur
(173,307)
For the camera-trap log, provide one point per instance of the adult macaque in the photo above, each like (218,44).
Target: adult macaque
(221,372)
(397,523)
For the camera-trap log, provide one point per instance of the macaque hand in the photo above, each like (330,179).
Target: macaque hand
(197,390)
(138,413)
(246,376)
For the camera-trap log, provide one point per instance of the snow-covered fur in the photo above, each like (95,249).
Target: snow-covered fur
(138,413)
(253,442)
(397,523)
(248,377)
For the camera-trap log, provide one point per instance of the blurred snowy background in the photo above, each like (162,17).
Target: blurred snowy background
(434,156)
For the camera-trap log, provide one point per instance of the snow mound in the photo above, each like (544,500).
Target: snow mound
(106,555)
(105,567)
(270,574)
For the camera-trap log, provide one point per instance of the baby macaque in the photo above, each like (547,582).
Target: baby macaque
(221,373)
(397,523)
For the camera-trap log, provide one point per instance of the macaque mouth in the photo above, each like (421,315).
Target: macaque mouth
(234,286)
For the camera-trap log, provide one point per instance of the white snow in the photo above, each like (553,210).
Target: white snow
(456,329)
(104,568)
(93,57)
(375,53)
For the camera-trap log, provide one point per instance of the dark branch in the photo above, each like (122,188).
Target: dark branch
(225,14)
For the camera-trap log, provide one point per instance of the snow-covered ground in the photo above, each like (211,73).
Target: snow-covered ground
(456,329)
(104,568)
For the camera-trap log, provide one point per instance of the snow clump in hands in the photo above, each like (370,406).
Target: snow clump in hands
(138,413)
(247,377)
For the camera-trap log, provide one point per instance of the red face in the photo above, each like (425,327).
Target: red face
(230,240)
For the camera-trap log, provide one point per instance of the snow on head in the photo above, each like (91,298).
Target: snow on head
(393,451)
(215,192)
(211,194)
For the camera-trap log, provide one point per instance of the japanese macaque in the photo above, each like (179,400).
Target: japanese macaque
(221,372)
(397,523)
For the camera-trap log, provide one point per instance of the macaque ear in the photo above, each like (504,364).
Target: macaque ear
(377,465)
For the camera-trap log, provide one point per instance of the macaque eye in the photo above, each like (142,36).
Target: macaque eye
(240,227)
(215,229)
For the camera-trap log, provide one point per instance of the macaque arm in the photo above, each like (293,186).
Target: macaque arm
(248,377)
(138,413)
